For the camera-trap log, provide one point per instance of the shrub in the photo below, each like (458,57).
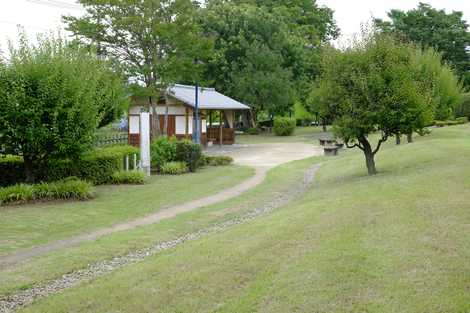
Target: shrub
(12,170)
(162,150)
(253,131)
(128,177)
(189,153)
(462,120)
(284,126)
(217,160)
(174,168)
(69,188)
(440,123)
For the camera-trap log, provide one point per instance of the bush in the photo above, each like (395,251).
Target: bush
(174,168)
(253,131)
(218,160)
(69,188)
(189,153)
(284,126)
(162,150)
(462,120)
(128,177)
(12,170)
(440,123)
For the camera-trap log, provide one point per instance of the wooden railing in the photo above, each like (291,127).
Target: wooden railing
(228,135)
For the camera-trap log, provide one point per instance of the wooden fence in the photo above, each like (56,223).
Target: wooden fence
(113,139)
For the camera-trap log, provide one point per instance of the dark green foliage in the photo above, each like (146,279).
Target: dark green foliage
(162,150)
(174,168)
(96,166)
(128,177)
(463,108)
(429,27)
(188,152)
(457,121)
(253,131)
(12,170)
(284,126)
(69,188)
(52,97)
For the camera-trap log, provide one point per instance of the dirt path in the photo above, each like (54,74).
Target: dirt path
(25,297)
(261,157)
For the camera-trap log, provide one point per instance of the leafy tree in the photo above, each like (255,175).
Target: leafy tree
(48,96)
(447,33)
(372,88)
(248,59)
(156,41)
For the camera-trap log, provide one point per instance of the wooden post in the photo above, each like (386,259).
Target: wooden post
(186,121)
(210,118)
(220,127)
(127,162)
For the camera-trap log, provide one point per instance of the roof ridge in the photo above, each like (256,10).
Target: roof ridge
(192,87)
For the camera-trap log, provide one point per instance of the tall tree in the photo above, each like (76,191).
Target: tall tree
(248,61)
(372,87)
(446,32)
(157,41)
(48,96)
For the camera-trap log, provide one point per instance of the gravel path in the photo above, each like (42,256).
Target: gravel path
(14,302)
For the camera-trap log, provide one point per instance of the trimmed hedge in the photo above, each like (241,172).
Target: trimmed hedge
(96,166)
(284,126)
(134,177)
(12,170)
(162,150)
(69,188)
(174,168)
(457,121)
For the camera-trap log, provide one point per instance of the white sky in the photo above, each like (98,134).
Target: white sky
(39,16)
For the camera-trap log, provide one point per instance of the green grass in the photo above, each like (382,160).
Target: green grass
(395,242)
(301,134)
(32,224)
(55,264)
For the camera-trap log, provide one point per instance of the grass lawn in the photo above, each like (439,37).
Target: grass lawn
(63,261)
(395,242)
(28,225)
(301,134)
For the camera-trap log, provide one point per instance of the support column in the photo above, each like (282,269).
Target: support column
(221,120)
(186,123)
(145,142)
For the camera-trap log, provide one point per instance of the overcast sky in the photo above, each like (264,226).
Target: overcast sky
(39,16)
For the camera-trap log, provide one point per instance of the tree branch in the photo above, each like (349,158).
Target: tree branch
(381,140)
(354,146)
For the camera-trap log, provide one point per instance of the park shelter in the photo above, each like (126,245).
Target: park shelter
(180,100)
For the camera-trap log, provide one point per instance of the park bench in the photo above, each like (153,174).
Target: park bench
(330,150)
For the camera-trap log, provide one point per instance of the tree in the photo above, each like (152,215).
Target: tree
(447,33)
(372,89)
(247,63)
(48,96)
(156,41)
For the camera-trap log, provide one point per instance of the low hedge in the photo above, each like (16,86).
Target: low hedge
(135,177)
(69,188)
(284,126)
(457,121)
(189,153)
(216,160)
(12,170)
(174,168)
(96,166)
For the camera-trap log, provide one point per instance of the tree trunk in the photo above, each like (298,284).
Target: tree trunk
(29,169)
(369,155)
(252,119)
(397,139)
(409,137)
(324,125)
(155,122)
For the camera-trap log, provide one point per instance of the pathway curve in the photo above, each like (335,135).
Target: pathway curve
(260,156)
(25,297)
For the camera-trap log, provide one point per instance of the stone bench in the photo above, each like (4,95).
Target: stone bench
(327,141)
(330,150)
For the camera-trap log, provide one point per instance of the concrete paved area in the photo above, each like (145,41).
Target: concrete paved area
(266,155)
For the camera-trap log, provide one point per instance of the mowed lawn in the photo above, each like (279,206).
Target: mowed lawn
(395,242)
(24,226)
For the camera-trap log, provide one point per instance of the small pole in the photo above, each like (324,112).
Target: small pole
(135,161)
(127,162)
(196,115)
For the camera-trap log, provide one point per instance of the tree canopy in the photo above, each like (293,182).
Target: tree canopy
(446,32)
(374,87)
(53,97)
